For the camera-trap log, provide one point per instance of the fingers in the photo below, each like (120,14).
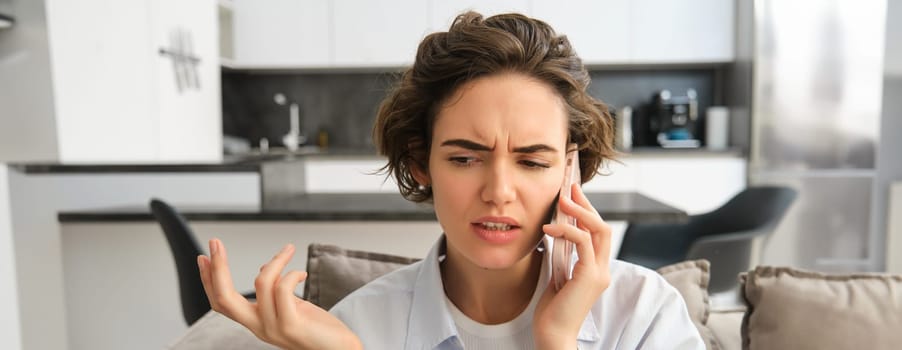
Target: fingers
(220,289)
(203,264)
(582,239)
(285,299)
(266,282)
(589,219)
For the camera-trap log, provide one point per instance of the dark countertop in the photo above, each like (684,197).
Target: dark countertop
(229,163)
(252,163)
(631,206)
(56,168)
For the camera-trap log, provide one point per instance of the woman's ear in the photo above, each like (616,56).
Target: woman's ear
(420,174)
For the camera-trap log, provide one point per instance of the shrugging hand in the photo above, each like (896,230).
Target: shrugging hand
(278,316)
(560,314)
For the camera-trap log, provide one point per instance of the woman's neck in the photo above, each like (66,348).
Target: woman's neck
(490,296)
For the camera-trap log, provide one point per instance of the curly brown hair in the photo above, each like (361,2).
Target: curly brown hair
(475,47)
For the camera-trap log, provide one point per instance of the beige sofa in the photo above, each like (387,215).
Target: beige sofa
(783,308)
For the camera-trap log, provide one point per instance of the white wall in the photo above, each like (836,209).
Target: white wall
(27,127)
(888,163)
(894,230)
(892,64)
(35,200)
(10,337)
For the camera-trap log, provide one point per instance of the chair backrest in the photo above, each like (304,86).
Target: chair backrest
(757,208)
(724,236)
(185,250)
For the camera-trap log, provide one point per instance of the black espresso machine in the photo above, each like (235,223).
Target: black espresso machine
(667,121)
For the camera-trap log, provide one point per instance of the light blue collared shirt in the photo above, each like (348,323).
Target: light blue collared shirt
(406,309)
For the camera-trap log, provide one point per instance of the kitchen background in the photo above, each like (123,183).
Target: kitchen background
(106,103)
(344,105)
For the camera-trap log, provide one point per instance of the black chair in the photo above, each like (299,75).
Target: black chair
(185,250)
(723,237)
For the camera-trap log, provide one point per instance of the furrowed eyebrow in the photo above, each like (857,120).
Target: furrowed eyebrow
(535,149)
(471,145)
(466,144)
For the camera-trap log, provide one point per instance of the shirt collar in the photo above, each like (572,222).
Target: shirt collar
(430,322)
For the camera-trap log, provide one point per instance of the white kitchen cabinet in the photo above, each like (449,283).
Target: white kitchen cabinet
(444,12)
(354,33)
(188,118)
(382,33)
(682,31)
(92,85)
(597,29)
(282,33)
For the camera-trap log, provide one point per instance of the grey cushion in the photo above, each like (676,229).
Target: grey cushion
(795,309)
(691,278)
(335,272)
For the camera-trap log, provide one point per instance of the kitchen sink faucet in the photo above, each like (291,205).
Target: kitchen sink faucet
(293,139)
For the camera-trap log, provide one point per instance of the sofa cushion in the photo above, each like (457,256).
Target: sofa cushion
(215,331)
(691,278)
(725,324)
(334,272)
(794,309)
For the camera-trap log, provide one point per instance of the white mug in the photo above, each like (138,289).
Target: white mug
(717,127)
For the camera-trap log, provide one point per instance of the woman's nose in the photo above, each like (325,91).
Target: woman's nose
(499,185)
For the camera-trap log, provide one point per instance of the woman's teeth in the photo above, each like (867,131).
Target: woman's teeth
(496,226)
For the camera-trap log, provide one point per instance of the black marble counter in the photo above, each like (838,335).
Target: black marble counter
(631,206)
(229,163)
(56,168)
(252,163)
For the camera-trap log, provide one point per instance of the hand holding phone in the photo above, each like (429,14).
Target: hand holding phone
(562,249)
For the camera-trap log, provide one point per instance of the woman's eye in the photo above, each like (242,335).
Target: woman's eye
(462,161)
(534,165)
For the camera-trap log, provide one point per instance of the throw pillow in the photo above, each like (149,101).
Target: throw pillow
(691,278)
(795,309)
(334,272)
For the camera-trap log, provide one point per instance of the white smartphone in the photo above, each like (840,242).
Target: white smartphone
(562,250)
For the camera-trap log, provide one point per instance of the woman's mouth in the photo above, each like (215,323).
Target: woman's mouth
(496,232)
(496,226)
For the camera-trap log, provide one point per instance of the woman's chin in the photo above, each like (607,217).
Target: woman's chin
(495,260)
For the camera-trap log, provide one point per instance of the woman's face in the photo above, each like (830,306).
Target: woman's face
(496,164)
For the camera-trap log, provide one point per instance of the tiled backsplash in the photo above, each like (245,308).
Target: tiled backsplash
(345,104)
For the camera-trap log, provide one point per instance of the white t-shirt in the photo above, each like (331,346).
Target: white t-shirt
(406,309)
(515,334)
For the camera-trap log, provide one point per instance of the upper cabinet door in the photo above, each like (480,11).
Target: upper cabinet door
(599,30)
(379,33)
(187,108)
(680,31)
(101,60)
(282,33)
(386,33)
(444,12)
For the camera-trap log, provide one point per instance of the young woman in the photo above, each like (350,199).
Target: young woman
(479,127)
